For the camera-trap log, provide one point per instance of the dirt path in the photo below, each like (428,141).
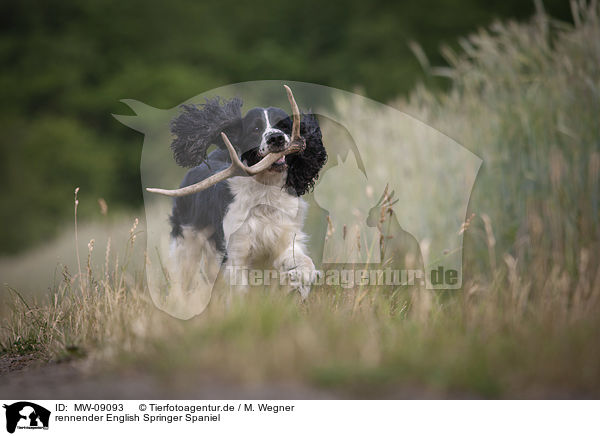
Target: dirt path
(24,377)
(27,378)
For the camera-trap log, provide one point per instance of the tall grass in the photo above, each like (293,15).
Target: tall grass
(87,306)
(526,98)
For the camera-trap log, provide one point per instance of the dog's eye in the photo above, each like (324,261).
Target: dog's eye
(256,129)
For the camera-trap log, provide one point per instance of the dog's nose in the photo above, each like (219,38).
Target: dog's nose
(276,141)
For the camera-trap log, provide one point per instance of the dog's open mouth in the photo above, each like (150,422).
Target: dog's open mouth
(278,165)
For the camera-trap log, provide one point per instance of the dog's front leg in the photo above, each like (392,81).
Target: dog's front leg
(297,268)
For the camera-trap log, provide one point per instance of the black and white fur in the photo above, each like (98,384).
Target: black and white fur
(245,221)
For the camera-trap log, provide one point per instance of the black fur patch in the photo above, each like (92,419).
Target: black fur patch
(197,127)
(304,167)
(206,209)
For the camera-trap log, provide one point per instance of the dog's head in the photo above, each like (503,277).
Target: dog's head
(259,132)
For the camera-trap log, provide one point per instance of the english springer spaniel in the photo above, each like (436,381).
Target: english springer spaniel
(246,222)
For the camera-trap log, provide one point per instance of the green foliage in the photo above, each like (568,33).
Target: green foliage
(66,65)
(46,156)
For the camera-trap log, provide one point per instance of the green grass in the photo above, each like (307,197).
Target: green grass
(526,98)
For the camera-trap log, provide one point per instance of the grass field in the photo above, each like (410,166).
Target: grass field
(524,97)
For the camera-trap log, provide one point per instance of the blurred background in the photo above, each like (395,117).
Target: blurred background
(66,65)
(515,82)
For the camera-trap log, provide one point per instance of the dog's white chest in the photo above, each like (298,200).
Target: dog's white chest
(261,214)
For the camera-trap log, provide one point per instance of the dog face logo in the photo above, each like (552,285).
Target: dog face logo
(26,415)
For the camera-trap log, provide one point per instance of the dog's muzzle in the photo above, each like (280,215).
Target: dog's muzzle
(276,142)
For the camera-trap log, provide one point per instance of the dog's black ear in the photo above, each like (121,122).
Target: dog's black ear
(304,167)
(197,127)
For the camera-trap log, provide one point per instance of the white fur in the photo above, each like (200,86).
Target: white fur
(263,227)
(263,149)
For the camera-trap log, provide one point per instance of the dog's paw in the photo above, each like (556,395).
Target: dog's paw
(302,280)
